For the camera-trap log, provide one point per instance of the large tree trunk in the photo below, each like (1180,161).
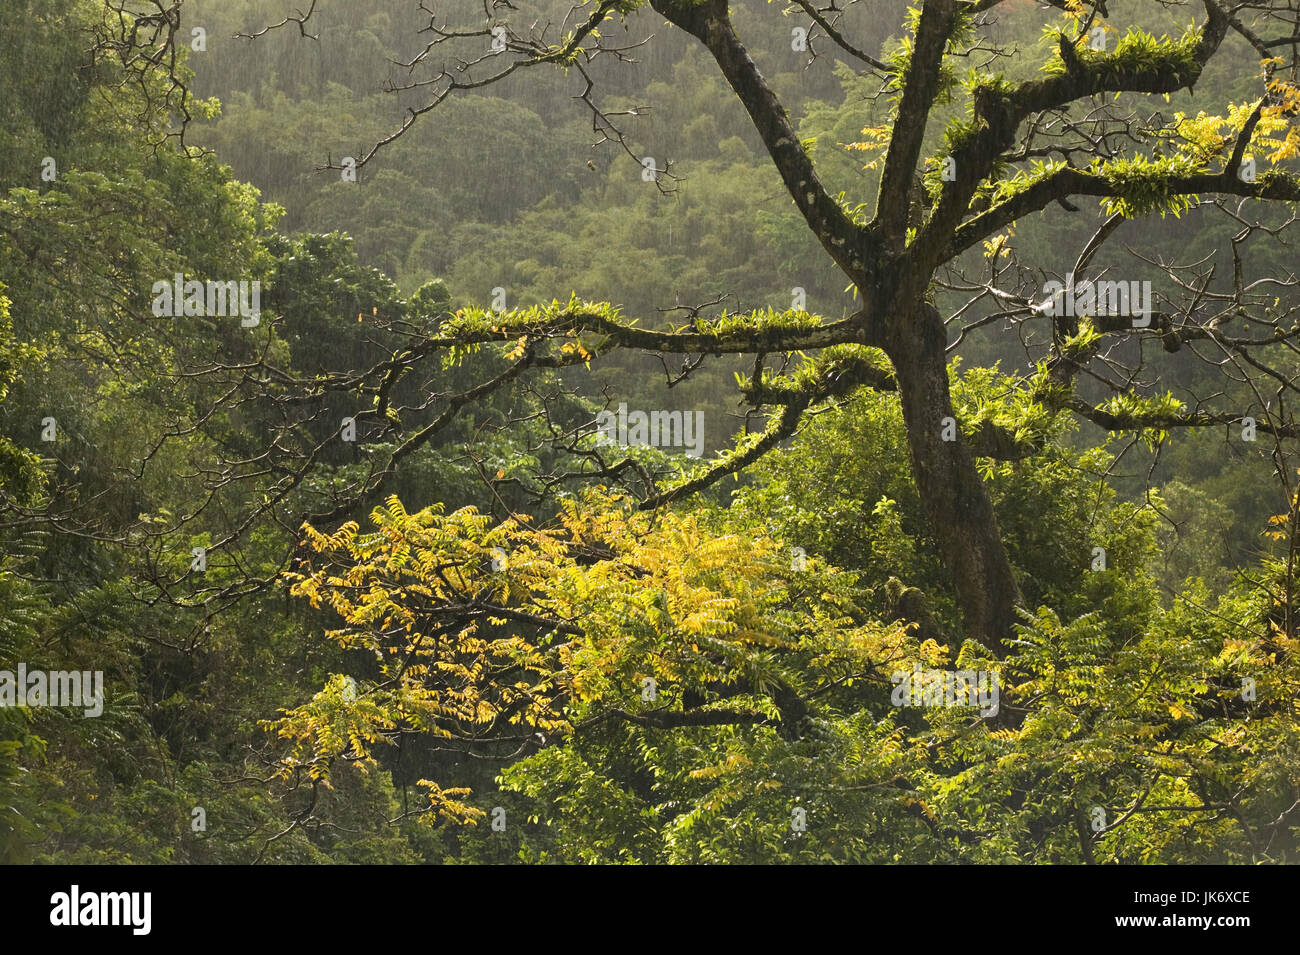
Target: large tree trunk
(957,504)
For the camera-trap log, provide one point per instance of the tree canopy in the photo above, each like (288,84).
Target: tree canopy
(982,316)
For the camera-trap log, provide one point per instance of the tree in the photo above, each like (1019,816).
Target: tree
(485,633)
(1021,146)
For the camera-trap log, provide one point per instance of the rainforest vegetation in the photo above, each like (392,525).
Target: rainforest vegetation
(652,419)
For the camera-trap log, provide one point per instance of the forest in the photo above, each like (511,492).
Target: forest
(649,432)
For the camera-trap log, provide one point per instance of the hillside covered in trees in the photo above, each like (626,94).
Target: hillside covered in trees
(649,432)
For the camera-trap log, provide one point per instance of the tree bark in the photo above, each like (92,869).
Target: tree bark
(957,504)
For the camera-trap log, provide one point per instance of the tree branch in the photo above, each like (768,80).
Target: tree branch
(845,242)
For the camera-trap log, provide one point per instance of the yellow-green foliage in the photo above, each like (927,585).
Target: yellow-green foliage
(461,654)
